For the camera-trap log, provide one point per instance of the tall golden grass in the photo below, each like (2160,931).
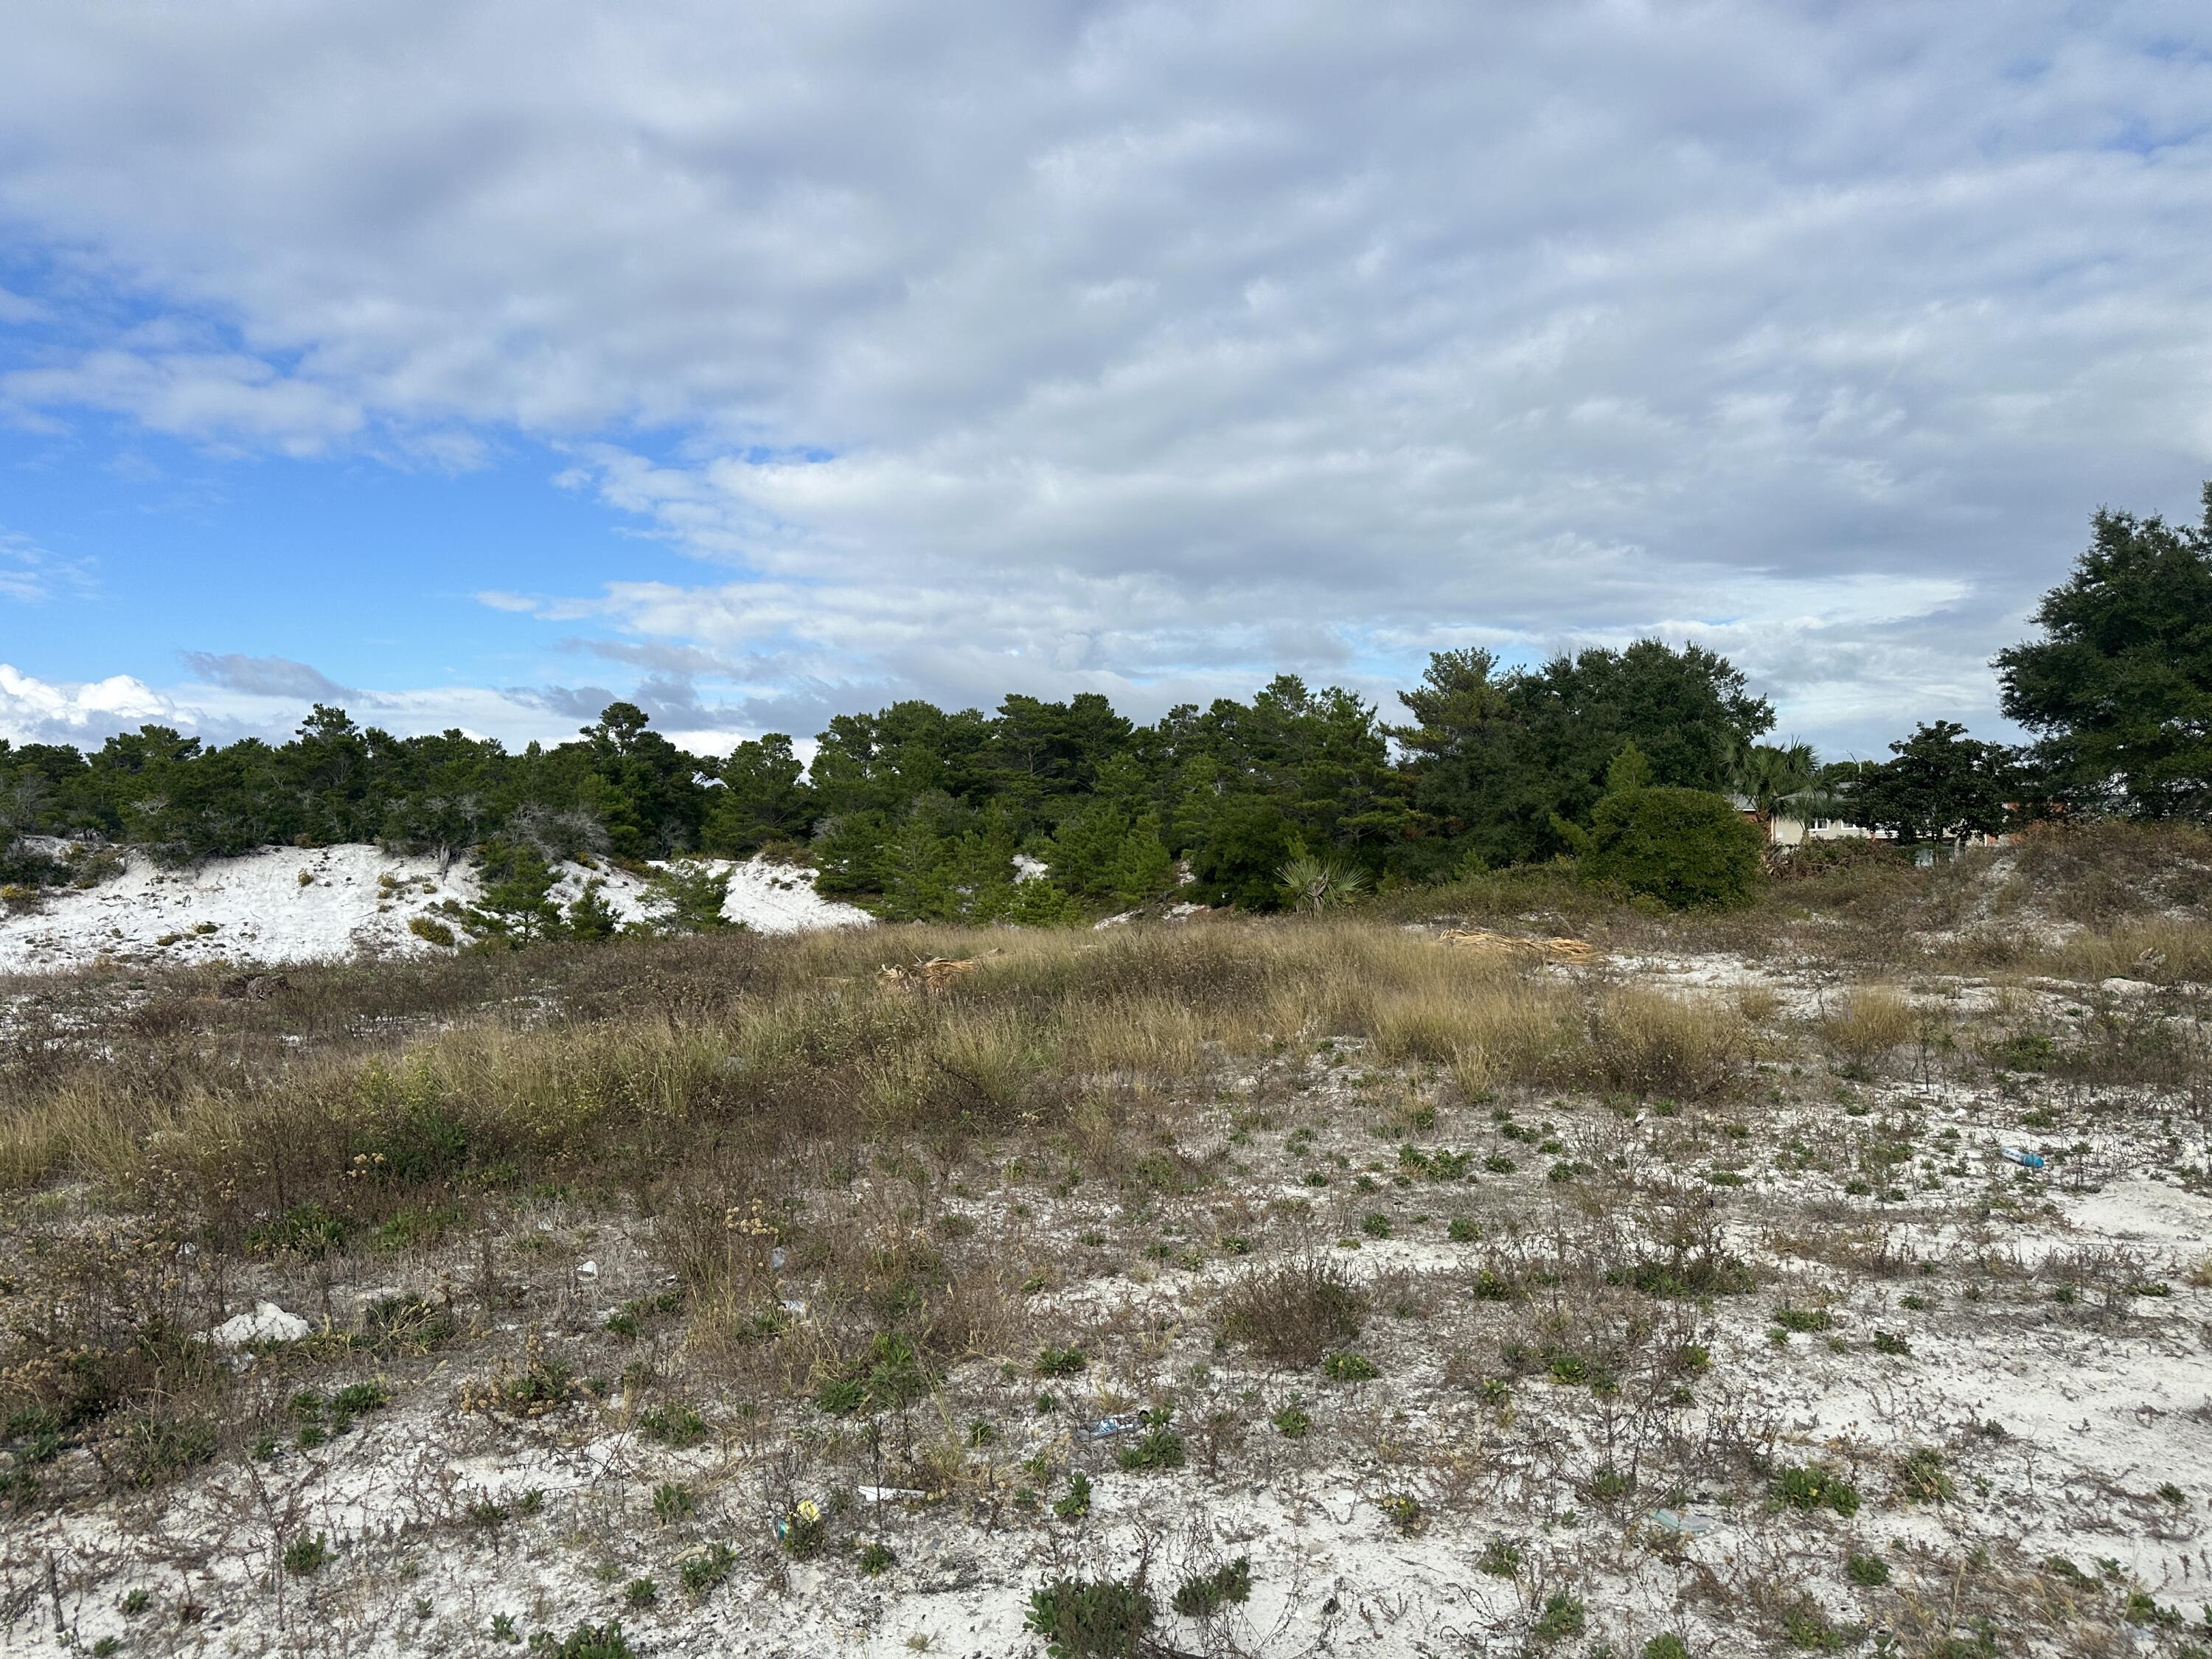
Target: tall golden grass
(627,1061)
(676,1051)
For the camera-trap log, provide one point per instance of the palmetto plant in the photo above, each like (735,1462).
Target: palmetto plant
(1311,882)
(1768,773)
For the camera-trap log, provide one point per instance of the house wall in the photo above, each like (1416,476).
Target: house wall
(1785,831)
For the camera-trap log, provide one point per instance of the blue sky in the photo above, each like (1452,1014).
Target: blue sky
(473,365)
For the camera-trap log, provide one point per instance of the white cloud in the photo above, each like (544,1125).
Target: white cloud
(233,698)
(1147,347)
(33,710)
(228,396)
(30,572)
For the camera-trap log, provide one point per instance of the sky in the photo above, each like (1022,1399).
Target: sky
(472,365)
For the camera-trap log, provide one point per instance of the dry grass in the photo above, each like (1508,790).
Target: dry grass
(1866,1025)
(640,1057)
(1294,1312)
(1648,1042)
(865,1234)
(2165,950)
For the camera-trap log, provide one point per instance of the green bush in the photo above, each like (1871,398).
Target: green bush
(1090,1619)
(1207,1593)
(1809,1628)
(306,1229)
(156,1448)
(1158,1448)
(1869,1570)
(585,1642)
(677,1425)
(1920,1479)
(703,1571)
(685,898)
(1683,846)
(1562,1615)
(1077,1503)
(1813,1486)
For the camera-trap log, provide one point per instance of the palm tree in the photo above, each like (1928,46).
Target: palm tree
(1767,773)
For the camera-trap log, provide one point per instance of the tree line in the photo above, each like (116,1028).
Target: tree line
(924,812)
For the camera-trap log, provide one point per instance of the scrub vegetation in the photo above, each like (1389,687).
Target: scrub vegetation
(1742,1278)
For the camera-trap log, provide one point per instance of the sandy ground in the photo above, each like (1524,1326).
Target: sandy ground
(281,905)
(2041,1334)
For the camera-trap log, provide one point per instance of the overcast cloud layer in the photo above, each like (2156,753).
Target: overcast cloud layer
(1135,348)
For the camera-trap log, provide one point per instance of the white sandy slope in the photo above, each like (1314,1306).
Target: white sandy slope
(329,903)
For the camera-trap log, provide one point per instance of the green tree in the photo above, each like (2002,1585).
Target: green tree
(2120,690)
(1039,751)
(1104,853)
(514,900)
(1496,763)
(764,796)
(1686,847)
(682,896)
(1941,785)
(641,787)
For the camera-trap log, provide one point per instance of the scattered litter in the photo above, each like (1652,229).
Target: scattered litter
(776,1258)
(267,1323)
(891,1494)
(794,1306)
(1551,950)
(2025,1160)
(1682,1521)
(1107,1427)
(587,1270)
(805,1518)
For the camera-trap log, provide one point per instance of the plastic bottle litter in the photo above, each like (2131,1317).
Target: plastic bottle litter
(806,1517)
(2025,1160)
(1682,1521)
(1106,1427)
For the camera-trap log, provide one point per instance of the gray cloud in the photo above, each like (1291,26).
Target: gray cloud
(1147,349)
(265,676)
(656,657)
(582,702)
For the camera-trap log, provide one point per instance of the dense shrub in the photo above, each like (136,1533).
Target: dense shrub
(1683,846)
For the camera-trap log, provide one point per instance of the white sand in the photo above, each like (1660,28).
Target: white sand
(355,901)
